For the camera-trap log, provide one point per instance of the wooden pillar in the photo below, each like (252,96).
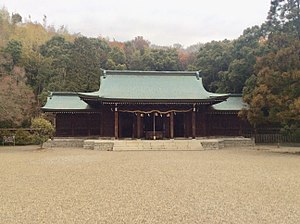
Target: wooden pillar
(54,120)
(55,124)
(138,124)
(171,125)
(194,123)
(116,123)
(89,124)
(203,122)
(73,119)
(154,134)
(101,124)
(185,121)
(134,131)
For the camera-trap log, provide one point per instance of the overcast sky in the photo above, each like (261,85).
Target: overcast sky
(162,22)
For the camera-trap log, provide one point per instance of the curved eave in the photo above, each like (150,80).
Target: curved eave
(210,101)
(51,110)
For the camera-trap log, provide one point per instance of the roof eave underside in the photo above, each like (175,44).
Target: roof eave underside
(210,101)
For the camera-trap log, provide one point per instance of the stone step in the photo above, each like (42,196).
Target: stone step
(139,145)
(158,146)
(155,149)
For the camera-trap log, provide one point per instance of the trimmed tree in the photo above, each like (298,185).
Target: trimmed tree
(44,129)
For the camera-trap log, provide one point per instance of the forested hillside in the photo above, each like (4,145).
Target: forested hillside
(263,64)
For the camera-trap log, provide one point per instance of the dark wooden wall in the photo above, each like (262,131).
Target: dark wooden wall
(101,123)
(78,124)
(108,121)
(224,124)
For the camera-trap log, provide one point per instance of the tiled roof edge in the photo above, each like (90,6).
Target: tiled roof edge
(130,72)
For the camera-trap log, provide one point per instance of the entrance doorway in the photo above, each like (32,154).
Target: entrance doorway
(154,126)
(126,124)
(179,125)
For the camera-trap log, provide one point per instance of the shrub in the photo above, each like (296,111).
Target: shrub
(44,130)
(23,137)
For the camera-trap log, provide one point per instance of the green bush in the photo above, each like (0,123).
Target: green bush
(24,137)
(44,130)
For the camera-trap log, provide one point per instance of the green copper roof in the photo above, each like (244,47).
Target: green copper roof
(151,85)
(162,87)
(233,103)
(65,101)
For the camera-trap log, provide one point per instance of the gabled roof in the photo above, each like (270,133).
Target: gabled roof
(149,86)
(69,101)
(65,101)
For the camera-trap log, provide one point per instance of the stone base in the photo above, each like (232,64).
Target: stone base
(220,143)
(138,145)
(64,143)
(104,145)
(188,144)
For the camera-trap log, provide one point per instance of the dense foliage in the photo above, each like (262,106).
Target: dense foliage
(273,90)
(263,63)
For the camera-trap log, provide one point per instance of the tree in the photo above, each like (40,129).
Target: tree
(118,57)
(38,71)
(14,48)
(16,101)
(44,129)
(16,18)
(6,28)
(140,44)
(273,92)
(87,56)
(284,17)
(134,50)
(213,58)
(160,59)
(58,51)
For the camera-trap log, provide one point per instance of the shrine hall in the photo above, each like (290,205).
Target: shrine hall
(146,105)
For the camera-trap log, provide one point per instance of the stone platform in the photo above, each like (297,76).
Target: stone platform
(140,145)
(186,145)
(64,143)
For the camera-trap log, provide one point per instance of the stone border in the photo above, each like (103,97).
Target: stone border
(138,145)
(64,143)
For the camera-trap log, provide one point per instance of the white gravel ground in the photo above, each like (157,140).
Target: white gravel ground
(83,186)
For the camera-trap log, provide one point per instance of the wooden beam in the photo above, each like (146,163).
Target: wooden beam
(171,125)
(116,123)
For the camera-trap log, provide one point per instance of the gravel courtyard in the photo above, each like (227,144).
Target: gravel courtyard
(85,186)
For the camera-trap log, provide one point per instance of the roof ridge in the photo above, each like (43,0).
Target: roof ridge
(136,72)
